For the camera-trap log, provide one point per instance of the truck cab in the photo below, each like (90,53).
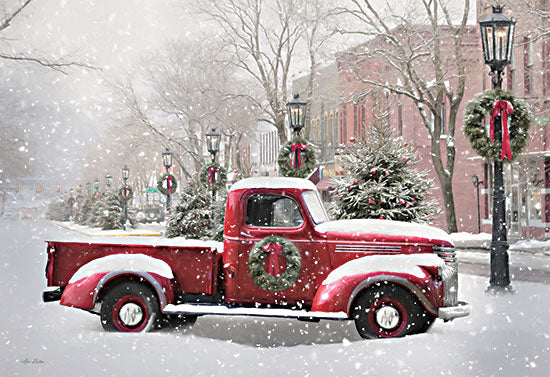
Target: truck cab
(282,257)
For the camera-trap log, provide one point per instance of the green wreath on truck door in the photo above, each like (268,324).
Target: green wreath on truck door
(274,264)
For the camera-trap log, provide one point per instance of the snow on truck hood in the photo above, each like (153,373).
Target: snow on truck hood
(384,227)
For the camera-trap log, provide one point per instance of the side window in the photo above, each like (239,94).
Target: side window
(273,211)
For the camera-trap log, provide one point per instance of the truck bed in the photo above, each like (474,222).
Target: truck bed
(194,263)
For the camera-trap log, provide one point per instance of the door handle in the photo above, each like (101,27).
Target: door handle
(246,235)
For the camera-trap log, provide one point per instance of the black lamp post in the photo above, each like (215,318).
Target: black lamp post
(296,114)
(125,188)
(497,37)
(108,180)
(167,157)
(88,187)
(213,146)
(96,184)
(477,182)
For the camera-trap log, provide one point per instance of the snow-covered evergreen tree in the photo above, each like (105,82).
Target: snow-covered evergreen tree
(219,216)
(111,211)
(59,210)
(191,217)
(84,208)
(382,183)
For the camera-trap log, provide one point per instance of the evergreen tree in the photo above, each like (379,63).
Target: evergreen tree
(381,182)
(191,217)
(59,210)
(111,211)
(219,216)
(84,209)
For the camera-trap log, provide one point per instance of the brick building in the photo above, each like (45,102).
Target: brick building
(344,107)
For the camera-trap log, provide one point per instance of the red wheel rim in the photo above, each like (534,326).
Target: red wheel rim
(381,331)
(123,304)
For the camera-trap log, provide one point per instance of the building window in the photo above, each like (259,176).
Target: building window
(511,73)
(432,120)
(546,68)
(355,119)
(527,65)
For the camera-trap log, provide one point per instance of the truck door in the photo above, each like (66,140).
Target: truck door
(276,233)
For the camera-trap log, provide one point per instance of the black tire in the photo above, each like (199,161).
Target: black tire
(130,307)
(386,311)
(424,323)
(179,321)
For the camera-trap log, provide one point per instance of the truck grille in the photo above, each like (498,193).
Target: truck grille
(449,275)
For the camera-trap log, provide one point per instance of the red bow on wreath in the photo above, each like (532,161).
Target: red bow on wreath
(274,268)
(503,108)
(297,150)
(169,180)
(211,179)
(126,191)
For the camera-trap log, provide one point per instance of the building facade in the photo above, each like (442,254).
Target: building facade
(344,107)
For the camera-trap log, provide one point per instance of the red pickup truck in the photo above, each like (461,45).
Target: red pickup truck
(281,257)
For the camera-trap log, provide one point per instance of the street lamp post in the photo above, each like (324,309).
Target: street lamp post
(497,37)
(167,157)
(296,114)
(213,146)
(96,184)
(477,182)
(125,188)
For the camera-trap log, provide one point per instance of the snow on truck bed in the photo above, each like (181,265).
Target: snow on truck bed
(144,241)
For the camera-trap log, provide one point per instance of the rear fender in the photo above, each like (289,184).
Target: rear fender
(84,293)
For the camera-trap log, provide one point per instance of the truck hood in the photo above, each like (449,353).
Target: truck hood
(382,230)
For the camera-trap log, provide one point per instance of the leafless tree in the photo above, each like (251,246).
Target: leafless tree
(430,72)
(264,37)
(180,94)
(10,14)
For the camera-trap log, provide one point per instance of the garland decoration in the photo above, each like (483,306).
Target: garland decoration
(213,175)
(125,193)
(171,185)
(274,263)
(296,158)
(516,120)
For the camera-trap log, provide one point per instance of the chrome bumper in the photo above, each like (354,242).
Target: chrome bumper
(462,309)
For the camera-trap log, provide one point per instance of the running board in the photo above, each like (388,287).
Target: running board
(193,309)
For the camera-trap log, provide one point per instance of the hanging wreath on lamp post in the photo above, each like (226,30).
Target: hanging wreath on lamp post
(296,158)
(214,176)
(274,263)
(125,193)
(171,184)
(516,120)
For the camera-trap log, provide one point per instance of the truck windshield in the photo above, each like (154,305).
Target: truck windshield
(315,207)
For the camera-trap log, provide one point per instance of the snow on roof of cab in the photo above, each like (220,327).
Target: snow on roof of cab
(273,182)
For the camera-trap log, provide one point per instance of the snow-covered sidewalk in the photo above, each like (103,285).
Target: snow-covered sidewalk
(465,240)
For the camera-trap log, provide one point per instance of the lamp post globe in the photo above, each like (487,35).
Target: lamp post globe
(213,138)
(167,157)
(108,180)
(497,40)
(296,114)
(125,173)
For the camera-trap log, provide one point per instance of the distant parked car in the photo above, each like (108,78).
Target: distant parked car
(150,215)
(9,214)
(28,213)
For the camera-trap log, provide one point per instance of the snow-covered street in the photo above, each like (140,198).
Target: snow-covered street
(504,336)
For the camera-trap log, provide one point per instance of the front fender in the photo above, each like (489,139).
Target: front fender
(339,295)
(84,292)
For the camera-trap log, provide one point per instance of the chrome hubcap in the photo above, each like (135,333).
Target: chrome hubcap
(387,317)
(130,314)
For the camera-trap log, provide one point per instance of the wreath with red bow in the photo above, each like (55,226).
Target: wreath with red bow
(516,120)
(213,176)
(171,185)
(125,193)
(296,158)
(274,263)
